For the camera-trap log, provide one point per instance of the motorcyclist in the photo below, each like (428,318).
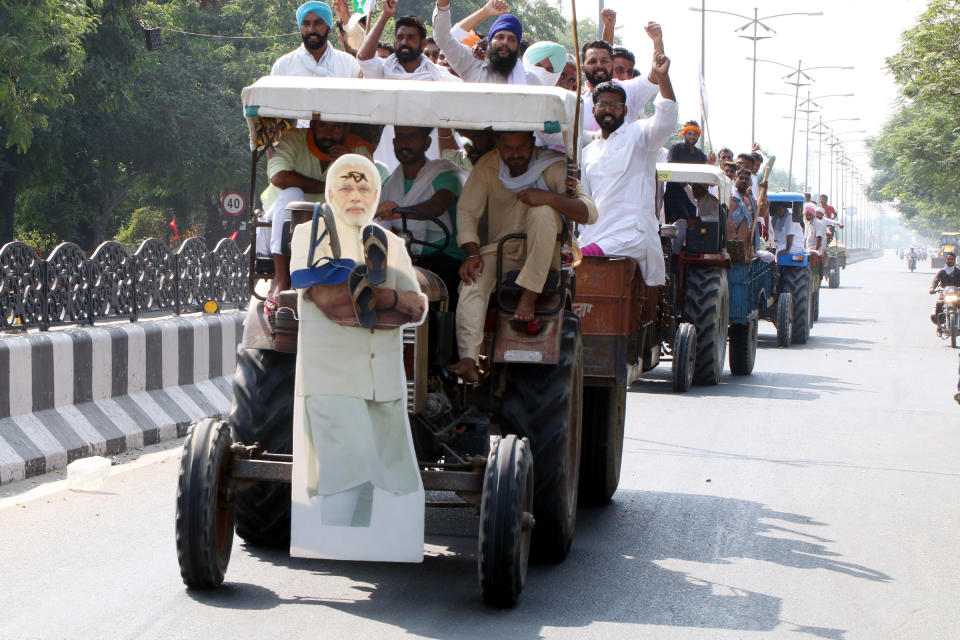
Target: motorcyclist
(912,259)
(949,276)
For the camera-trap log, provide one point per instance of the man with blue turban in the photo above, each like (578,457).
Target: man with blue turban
(503,64)
(315,57)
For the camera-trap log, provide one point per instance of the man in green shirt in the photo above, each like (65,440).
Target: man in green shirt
(431,187)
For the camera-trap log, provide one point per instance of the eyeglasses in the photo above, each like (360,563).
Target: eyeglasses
(608,106)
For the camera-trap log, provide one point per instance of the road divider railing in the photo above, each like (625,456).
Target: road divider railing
(77,392)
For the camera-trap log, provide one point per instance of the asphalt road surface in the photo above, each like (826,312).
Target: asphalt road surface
(816,498)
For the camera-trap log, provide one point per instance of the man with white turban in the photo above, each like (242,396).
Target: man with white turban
(357,493)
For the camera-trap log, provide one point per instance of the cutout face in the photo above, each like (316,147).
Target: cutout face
(353,189)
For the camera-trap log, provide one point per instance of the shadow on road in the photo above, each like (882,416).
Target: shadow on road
(778,386)
(618,571)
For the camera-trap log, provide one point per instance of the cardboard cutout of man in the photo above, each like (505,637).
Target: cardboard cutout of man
(357,493)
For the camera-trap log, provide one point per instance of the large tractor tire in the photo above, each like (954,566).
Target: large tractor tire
(263,412)
(796,282)
(205,505)
(604,411)
(684,357)
(544,404)
(743,347)
(707,307)
(784,322)
(506,521)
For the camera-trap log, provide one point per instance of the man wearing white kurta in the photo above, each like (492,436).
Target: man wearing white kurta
(619,174)
(503,64)
(357,493)
(597,58)
(406,63)
(315,57)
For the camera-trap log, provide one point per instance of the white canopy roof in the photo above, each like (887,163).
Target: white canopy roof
(696,174)
(412,103)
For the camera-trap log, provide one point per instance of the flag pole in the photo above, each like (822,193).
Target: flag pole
(573,169)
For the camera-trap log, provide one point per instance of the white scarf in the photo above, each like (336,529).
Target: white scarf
(948,270)
(421,191)
(532,178)
(517,76)
(427,70)
(546,78)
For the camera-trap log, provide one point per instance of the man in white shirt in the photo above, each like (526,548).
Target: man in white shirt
(406,63)
(503,64)
(619,174)
(597,58)
(815,235)
(315,57)
(787,234)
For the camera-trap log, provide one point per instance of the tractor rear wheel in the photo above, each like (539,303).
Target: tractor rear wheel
(506,519)
(743,347)
(784,321)
(604,410)
(543,403)
(796,282)
(263,412)
(205,505)
(706,306)
(684,357)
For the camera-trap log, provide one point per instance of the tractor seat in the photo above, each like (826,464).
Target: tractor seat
(549,301)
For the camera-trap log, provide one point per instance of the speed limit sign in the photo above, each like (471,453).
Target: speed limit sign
(233,203)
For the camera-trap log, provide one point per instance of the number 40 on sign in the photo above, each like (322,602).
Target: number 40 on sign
(233,203)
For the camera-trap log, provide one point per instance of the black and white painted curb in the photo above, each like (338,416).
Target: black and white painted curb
(98,391)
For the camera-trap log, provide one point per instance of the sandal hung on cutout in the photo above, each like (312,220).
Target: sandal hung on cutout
(375,253)
(364,297)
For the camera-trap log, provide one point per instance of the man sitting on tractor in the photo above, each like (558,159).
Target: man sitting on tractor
(518,189)
(949,276)
(297,172)
(618,170)
(430,186)
(787,234)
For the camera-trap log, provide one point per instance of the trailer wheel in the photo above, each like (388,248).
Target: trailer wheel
(706,306)
(506,521)
(743,347)
(684,357)
(833,276)
(205,505)
(796,281)
(543,403)
(784,321)
(604,410)
(263,412)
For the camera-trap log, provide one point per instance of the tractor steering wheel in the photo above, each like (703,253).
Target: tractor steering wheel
(408,238)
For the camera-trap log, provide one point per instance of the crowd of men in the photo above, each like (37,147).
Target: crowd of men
(515,181)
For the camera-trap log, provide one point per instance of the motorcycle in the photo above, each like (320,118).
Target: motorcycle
(948,319)
(912,263)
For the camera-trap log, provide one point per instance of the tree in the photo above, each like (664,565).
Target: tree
(40,51)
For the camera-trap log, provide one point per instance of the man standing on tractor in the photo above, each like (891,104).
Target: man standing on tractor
(519,189)
(949,276)
(407,62)
(743,213)
(597,58)
(828,210)
(430,186)
(676,204)
(502,64)
(315,57)
(619,174)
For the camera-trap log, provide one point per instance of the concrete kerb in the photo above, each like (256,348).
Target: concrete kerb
(77,392)
(856,255)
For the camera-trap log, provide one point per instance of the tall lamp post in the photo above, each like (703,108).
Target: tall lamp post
(755,21)
(801,74)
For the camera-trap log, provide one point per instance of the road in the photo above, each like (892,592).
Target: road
(815,498)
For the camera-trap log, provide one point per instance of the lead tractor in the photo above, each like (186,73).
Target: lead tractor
(795,274)
(510,448)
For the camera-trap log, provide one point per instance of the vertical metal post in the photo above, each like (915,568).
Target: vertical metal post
(793,131)
(753,101)
(600,20)
(703,40)
(820,156)
(806,154)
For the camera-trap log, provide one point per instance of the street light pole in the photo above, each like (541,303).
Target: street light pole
(755,21)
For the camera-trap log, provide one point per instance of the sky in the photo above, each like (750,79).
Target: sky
(858,33)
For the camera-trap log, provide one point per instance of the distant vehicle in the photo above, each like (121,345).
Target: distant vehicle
(949,242)
(948,320)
